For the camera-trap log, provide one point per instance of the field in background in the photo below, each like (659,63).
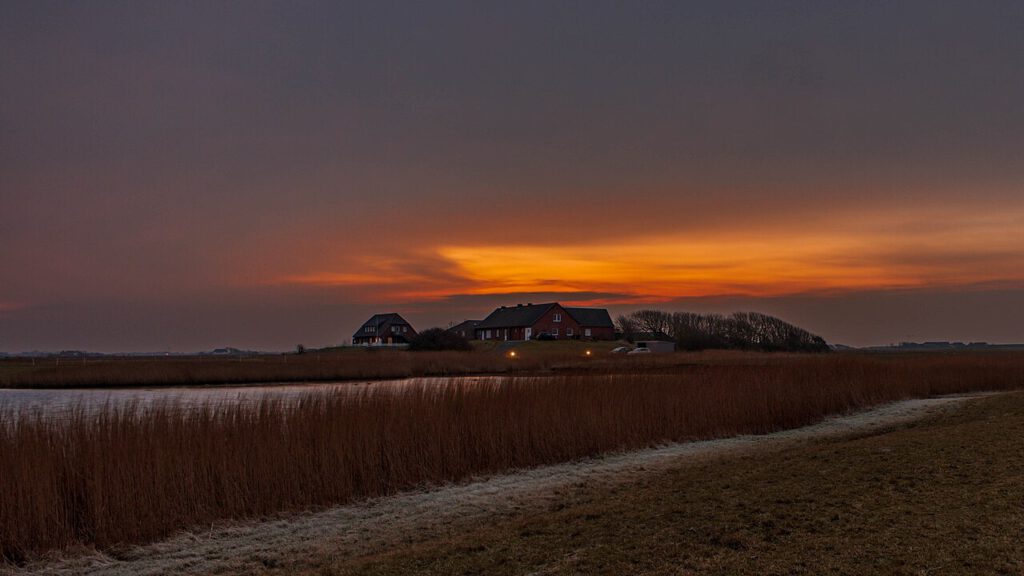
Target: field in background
(130,476)
(351,364)
(328,366)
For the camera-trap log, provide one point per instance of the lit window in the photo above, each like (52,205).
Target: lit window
(586,331)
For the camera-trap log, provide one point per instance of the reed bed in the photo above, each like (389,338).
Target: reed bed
(199,370)
(344,365)
(133,474)
(355,364)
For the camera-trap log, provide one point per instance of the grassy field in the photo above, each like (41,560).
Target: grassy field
(134,476)
(334,365)
(352,364)
(944,496)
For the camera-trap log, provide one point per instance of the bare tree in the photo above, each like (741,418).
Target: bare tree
(627,326)
(739,331)
(654,321)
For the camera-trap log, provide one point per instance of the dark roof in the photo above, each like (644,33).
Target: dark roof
(516,316)
(465,325)
(378,320)
(591,317)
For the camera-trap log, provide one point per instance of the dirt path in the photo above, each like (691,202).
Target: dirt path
(383,523)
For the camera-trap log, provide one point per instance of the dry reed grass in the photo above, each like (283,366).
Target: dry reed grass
(356,364)
(136,474)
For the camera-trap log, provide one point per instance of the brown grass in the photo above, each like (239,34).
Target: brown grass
(132,475)
(348,364)
(351,364)
(199,370)
(941,496)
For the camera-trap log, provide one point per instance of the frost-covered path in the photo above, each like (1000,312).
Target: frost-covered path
(383,523)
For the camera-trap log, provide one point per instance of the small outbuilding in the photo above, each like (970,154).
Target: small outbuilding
(657,346)
(466,328)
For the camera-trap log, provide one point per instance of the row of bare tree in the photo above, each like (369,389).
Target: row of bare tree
(737,331)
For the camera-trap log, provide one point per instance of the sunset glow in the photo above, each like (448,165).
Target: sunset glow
(183,177)
(956,250)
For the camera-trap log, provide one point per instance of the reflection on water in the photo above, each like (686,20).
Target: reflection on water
(58,402)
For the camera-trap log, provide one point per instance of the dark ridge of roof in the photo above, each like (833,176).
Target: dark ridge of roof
(378,320)
(466,324)
(515,316)
(591,317)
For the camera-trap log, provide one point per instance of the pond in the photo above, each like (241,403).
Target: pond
(60,401)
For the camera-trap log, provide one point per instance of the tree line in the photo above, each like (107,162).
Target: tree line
(737,331)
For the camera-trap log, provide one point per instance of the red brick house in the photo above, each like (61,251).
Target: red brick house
(530,321)
(595,323)
(384,330)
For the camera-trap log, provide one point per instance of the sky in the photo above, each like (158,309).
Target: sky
(187,175)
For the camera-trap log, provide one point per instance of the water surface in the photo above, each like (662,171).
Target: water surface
(61,401)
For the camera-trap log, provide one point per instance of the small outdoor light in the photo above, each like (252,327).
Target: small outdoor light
(512,354)
(588,352)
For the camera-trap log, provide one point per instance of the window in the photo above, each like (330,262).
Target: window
(558,317)
(405,329)
(554,331)
(394,329)
(487,334)
(371,329)
(568,331)
(586,331)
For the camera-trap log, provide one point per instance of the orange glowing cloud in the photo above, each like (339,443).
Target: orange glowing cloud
(888,251)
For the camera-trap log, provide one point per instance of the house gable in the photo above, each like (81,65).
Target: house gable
(595,323)
(388,328)
(592,317)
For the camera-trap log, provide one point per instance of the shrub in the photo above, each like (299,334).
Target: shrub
(437,339)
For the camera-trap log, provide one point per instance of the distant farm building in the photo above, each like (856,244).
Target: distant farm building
(466,329)
(653,341)
(546,321)
(384,330)
(657,346)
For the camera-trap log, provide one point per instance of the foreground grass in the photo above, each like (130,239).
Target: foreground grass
(945,496)
(126,475)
